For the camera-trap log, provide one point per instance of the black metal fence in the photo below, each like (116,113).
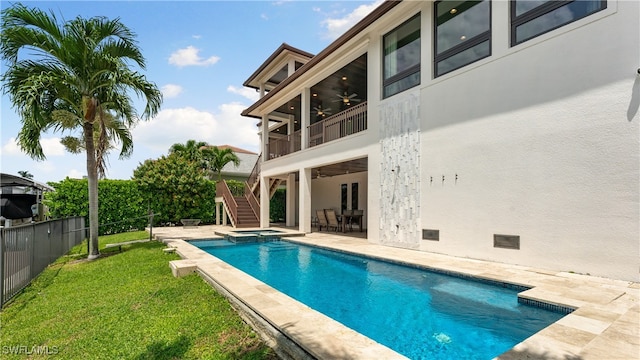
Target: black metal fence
(25,251)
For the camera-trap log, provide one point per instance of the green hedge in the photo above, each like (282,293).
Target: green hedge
(124,205)
(120,208)
(277,206)
(176,189)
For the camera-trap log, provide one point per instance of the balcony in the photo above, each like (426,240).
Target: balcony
(284,145)
(345,123)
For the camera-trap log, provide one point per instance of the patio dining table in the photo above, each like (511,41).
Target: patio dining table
(349,216)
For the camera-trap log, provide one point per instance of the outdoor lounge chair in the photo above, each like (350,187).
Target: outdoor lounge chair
(332,219)
(322,220)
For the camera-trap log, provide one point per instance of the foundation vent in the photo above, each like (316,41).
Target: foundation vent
(429,234)
(506,241)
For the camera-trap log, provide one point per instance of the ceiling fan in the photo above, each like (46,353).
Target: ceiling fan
(322,112)
(318,175)
(346,98)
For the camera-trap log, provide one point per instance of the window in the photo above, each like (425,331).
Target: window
(402,57)
(462,34)
(354,196)
(530,18)
(343,197)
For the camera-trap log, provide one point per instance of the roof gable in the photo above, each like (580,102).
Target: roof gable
(269,71)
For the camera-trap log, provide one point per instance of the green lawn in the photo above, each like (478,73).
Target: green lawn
(124,306)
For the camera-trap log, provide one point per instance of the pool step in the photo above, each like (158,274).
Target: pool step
(279,246)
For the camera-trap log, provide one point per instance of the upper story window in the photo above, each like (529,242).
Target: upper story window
(462,34)
(530,18)
(402,57)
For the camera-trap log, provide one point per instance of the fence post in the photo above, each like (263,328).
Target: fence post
(150,226)
(2,253)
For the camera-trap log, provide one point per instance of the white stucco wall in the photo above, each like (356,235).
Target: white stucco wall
(544,143)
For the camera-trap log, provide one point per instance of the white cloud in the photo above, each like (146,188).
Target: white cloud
(246,92)
(50,147)
(338,26)
(189,56)
(173,126)
(11,148)
(75,174)
(171,91)
(197,37)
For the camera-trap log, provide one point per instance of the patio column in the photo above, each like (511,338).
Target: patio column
(291,200)
(218,213)
(264,202)
(265,138)
(290,131)
(305,200)
(305,120)
(224,216)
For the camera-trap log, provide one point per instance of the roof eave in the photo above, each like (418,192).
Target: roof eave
(271,58)
(356,29)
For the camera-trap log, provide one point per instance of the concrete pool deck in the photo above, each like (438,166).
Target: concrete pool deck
(605,324)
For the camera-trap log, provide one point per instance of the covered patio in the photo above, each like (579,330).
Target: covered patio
(341,187)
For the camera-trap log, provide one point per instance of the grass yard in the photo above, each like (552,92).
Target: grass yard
(124,306)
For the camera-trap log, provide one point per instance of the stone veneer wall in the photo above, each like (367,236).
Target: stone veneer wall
(400,172)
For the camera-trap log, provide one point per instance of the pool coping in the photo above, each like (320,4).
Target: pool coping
(605,323)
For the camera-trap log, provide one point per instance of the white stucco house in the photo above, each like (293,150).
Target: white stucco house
(498,130)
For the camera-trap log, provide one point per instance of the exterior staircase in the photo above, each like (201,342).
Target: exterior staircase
(244,209)
(245,215)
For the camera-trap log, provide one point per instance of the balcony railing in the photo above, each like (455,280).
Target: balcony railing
(344,123)
(285,145)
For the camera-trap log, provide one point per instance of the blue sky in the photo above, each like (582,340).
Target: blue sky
(198,53)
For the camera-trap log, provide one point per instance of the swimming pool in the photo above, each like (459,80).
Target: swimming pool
(420,314)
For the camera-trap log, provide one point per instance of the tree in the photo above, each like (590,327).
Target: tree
(191,151)
(25,174)
(76,72)
(105,136)
(177,188)
(216,158)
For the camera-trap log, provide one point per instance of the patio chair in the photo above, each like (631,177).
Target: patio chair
(356,218)
(346,217)
(332,219)
(322,220)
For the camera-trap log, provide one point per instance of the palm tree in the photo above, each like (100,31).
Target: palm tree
(77,71)
(25,174)
(105,136)
(191,151)
(217,158)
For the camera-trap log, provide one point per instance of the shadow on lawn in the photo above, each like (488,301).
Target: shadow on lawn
(161,350)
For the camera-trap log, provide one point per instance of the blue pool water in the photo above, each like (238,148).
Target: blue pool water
(420,314)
